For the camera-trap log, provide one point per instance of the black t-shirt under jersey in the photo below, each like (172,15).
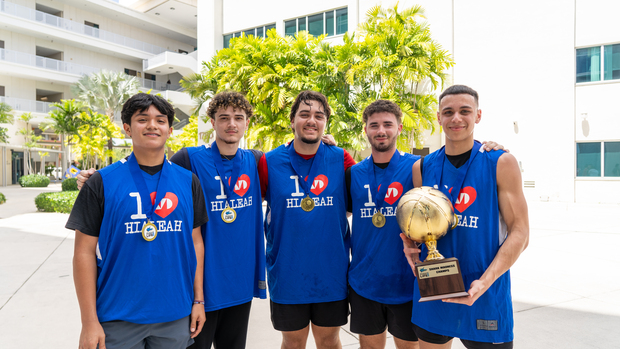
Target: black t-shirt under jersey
(87,213)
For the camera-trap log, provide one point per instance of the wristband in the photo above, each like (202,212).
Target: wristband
(199,302)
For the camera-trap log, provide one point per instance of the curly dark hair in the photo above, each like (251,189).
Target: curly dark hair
(229,98)
(143,101)
(305,96)
(380,106)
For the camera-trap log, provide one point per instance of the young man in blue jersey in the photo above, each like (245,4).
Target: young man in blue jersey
(234,238)
(493,230)
(234,259)
(306,229)
(138,260)
(380,281)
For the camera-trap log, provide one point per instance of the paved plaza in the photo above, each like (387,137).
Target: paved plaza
(566,285)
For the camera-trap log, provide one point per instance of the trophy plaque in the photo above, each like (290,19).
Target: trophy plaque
(425,215)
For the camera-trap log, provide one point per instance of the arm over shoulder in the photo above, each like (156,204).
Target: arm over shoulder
(416,173)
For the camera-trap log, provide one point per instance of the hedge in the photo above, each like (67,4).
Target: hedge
(34,180)
(56,201)
(69,184)
(2,198)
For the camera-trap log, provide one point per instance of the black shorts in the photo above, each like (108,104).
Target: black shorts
(369,317)
(433,338)
(294,317)
(225,328)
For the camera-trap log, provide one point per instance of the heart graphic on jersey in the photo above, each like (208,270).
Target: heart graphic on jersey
(319,184)
(395,190)
(167,204)
(467,196)
(242,185)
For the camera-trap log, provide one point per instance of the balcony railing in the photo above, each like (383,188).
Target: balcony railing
(45,63)
(76,27)
(72,68)
(27,105)
(154,85)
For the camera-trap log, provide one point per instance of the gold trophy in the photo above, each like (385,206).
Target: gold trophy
(425,215)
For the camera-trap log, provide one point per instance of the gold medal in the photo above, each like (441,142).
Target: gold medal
(307,204)
(149,231)
(229,214)
(378,219)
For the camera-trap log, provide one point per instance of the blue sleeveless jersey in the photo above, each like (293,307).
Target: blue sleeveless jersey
(379,270)
(475,242)
(234,270)
(307,252)
(141,281)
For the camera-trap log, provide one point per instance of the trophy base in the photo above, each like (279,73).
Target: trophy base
(440,279)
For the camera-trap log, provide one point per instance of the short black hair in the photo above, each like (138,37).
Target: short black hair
(141,102)
(227,99)
(459,90)
(380,106)
(309,95)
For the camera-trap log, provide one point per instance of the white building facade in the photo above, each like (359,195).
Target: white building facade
(547,73)
(47,45)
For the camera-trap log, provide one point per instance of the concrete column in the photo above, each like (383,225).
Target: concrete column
(210,40)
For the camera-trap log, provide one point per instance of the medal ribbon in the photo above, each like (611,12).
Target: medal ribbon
(145,197)
(314,168)
(219,167)
(378,193)
(456,189)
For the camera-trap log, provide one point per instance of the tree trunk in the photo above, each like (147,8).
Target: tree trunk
(110,147)
(63,158)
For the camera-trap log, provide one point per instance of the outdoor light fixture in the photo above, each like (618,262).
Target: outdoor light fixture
(172,8)
(156,13)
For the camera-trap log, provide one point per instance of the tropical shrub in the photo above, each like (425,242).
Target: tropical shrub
(69,184)
(56,201)
(2,198)
(34,180)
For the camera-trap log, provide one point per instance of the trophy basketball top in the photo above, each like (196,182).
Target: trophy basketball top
(425,214)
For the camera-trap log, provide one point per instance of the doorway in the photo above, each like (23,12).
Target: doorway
(17,165)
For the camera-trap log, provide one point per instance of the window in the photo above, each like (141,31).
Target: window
(315,24)
(342,21)
(612,159)
(131,72)
(289,27)
(329,23)
(334,22)
(589,64)
(598,63)
(1,43)
(91,24)
(590,162)
(257,32)
(149,76)
(2,91)
(612,62)
(589,159)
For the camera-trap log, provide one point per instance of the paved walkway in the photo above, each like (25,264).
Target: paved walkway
(566,285)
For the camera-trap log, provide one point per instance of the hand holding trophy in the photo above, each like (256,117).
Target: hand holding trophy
(425,215)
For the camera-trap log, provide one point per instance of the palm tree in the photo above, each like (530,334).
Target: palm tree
(30,140)
(404,64)
(5,118)
(394,58)
(65,119)
(106,92)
